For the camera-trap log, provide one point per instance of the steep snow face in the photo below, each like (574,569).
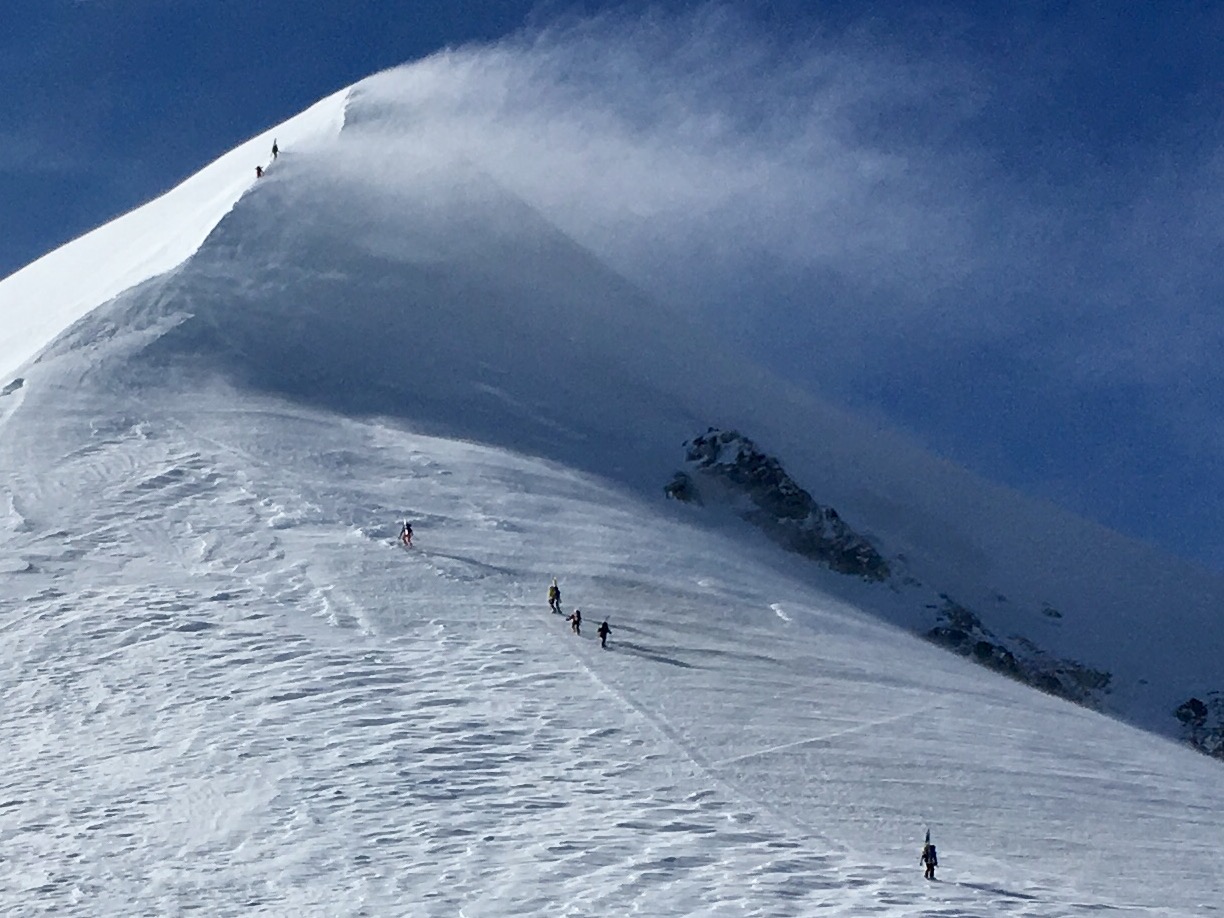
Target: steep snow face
(44,298)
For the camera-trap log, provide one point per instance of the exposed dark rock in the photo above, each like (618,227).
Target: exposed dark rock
(963,632)
(777,504)
(949,637)
(1192,713)
(725,466)
(681,488)
(1203,723)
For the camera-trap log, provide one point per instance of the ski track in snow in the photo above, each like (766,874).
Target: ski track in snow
(229,691)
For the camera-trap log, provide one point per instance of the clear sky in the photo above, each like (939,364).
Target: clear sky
(1007,242)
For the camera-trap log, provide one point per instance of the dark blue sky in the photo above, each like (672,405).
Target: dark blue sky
(1074,352)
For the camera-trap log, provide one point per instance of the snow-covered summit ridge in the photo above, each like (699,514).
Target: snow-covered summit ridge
(44,298)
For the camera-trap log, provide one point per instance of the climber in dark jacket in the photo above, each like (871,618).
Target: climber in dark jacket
(929,858)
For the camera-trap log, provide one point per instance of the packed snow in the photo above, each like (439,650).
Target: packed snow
(231,690)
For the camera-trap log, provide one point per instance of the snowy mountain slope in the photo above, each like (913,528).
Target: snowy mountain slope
(537,360)
(231,690)
(1150,620)
(373,275)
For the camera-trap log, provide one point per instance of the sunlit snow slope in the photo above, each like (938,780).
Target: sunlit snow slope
(41,300)
(230,691)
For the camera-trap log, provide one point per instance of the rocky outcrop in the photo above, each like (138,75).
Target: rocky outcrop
(681,488)
(961,631)
(1203,723)
(765,495)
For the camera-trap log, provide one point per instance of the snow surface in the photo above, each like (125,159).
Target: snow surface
(230,691)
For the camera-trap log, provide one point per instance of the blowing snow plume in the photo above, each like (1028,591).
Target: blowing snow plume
(854,205)
(614,180)
(698,156)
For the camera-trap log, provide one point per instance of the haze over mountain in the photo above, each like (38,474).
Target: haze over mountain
(233,692)
(991,226)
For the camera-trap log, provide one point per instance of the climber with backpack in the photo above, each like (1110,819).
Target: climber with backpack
(928,857)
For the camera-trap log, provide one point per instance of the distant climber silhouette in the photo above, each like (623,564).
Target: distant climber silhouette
(928,857)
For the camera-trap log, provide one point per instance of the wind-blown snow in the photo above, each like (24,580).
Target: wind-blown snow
(231,691)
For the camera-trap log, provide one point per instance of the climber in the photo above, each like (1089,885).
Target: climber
(928,857)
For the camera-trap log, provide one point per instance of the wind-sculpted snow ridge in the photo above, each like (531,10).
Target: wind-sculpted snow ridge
(366,279)
(46,297)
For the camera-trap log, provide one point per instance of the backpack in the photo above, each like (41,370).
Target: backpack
(932,856)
